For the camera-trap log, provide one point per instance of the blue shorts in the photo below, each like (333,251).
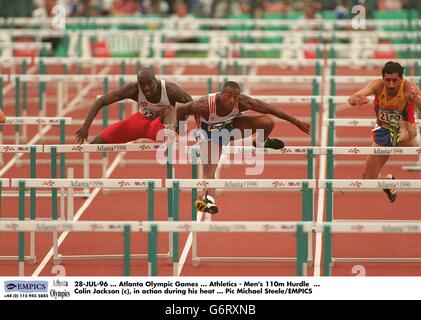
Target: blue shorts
(381,136)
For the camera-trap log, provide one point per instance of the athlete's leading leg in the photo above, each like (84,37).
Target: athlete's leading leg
(372,169)
(130,129)
(210,154)
(260,125)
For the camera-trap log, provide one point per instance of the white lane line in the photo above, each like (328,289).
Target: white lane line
(322,174)
(78,214)
(187,247)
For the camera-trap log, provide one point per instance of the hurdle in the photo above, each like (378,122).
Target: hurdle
(222,65)
(40,121)
(370,64)
(32,150)
(364,185)
(301,230)
(86,149)
(308,152)
(125,227)
(199,22)
(360,80)
(305,186)
(153,228)
(53,184)
(333,123)
(4,182)
(354,151)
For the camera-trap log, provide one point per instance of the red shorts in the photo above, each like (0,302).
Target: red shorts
(134,127)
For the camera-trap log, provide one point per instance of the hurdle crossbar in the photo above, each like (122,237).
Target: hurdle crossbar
(36,120)
(178,78)
(359,122)
(125,227)
(165,62)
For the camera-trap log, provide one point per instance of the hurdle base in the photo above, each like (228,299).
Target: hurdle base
(412,168)
(107,256)
(243,259)
(31,260)
(377,260)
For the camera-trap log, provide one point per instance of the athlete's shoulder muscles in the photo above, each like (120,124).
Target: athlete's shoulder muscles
(196,107)
(247,103)
(176,94)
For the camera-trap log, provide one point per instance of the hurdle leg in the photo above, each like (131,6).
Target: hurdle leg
(86,172)
(21,234)
(32,257)
(70,197)
(24,128)
(1,142)
(56,258)
(197,172)
(17,155)
(60,94)
(62,204)
(176,211)
(152,251)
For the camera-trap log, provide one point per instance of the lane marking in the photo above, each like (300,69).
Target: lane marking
(187,247)
(322,174)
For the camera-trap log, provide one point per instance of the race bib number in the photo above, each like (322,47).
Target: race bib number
(149,114)
(387,116)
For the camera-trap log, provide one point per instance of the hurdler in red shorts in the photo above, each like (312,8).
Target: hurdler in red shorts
(153,97)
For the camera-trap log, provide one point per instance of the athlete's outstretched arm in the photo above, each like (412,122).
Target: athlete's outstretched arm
(129,91)
(248,103)
(197,107)
(361,96)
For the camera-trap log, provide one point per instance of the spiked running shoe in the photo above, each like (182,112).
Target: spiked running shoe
(391,193)
(207,204)
(272,143)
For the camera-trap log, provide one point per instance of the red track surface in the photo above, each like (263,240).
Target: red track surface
(234,206)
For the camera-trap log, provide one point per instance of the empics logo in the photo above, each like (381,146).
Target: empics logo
(26,286)
(11,286)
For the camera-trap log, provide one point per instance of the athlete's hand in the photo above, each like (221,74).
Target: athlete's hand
(413,93)
(359,101)
(2,117)
(82,134)
(303,126)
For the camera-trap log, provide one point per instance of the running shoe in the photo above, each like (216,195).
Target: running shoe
(207,204)
(272,143)
(391,192)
